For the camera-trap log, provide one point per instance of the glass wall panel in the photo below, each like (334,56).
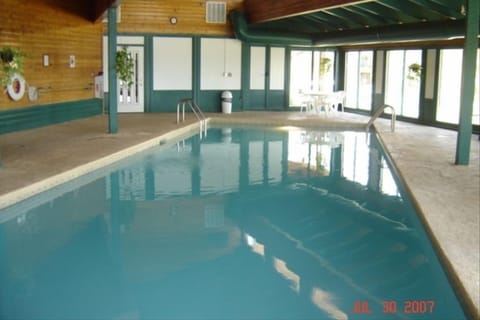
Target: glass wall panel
(323,71)
(351,79)
(310,71)
(449,87)
(402,85)
(358,79)
(300,75)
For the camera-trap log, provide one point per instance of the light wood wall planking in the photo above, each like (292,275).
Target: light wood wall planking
(50,27)
(60,28)
(146,16)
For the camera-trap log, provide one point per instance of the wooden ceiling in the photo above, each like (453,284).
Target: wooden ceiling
(326,21)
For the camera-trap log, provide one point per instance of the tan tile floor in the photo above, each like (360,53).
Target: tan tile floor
(447,195)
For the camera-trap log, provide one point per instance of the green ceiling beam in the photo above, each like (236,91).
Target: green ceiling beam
(464,136)
(405,12)
(440,30)
(322,25)
(311,25)
(375,19)
(360,20)
(441,9)
(454,5)
(334,20)
(332,24)
(378,9)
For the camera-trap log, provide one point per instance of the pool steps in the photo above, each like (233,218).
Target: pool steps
(196,110)
(378,112)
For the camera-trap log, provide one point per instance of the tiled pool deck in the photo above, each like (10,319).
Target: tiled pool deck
(447,195)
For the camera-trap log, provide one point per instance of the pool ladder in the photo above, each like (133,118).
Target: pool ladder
(378,112)
(196,110)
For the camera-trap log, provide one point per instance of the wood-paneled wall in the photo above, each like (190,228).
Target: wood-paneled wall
(147,16)
(60,28)
(52,27)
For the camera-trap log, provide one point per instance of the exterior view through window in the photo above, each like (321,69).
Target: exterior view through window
(358,79)
(310,71)
(449,87)
(403,78)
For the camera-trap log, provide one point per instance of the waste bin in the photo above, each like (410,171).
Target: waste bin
(227,102)
(99,86)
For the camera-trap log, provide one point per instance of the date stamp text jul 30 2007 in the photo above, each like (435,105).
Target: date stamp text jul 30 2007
(393,306)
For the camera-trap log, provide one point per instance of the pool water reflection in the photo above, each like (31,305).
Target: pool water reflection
(259,224)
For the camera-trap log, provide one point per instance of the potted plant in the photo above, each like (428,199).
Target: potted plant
(414,71)
(124,66)
(325,65)
(11,63)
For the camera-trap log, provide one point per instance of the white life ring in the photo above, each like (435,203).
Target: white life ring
(16,88)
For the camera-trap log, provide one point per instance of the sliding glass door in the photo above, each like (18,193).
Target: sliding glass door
(358,79)
(310,71)
(402,82)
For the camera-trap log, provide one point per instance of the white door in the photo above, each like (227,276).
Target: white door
(130,98)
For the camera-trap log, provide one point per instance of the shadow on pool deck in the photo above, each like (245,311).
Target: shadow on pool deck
(447,195)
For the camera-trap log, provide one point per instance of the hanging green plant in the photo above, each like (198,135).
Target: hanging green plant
(325,65)
(124,66)
(11,63)
(414,71)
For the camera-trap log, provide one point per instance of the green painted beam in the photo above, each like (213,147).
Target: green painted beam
(413,9)
(399,10)
(468,83)
(411,32)
(321,24)
(339,70)
(196,66)
(370,18)
(453,5)
(291,24)
(376,9)
(334,20)
(442,9)
(148,72)
(361,20)
(112,73)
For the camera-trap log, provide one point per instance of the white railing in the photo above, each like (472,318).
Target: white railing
(377,114)
(196,111)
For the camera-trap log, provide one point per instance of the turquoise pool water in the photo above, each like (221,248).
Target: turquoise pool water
(243,224)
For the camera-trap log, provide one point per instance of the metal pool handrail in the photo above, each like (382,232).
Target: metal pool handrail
(378,112)
(196,110)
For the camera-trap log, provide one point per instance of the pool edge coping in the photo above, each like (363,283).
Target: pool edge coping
(23,193)
(470,308)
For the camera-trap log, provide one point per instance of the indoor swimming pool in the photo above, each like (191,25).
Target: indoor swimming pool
(271,223)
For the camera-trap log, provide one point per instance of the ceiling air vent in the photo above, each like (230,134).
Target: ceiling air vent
(216,12)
